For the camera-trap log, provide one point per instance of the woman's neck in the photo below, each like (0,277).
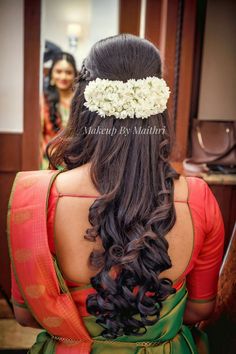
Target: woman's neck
(65,93)
(65,96)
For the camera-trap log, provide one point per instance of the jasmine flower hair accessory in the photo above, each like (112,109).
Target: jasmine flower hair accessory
(135,98)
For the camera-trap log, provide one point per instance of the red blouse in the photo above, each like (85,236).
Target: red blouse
(202,271)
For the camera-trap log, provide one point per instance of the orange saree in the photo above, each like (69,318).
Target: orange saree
(62,312)
(33,266)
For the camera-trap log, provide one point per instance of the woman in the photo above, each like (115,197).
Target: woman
(123,252)
(55,105)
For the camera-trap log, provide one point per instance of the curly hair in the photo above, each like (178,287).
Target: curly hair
(132,173)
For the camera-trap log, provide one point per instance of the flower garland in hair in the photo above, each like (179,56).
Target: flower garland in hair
(135,98)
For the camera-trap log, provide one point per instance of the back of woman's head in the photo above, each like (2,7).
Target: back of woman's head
(130,168)
(123,57)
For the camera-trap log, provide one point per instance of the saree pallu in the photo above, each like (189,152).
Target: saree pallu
(55,307)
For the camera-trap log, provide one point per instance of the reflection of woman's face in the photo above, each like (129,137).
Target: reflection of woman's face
(63,75)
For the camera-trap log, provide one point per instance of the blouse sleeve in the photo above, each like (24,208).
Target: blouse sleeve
(17,298)
(203,278)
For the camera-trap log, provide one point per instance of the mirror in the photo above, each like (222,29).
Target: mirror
(68,30)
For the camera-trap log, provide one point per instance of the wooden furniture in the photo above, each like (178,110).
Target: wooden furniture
(224,189)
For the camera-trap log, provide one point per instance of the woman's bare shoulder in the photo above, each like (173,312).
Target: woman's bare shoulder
(76,181)
(181,189)
(190,186)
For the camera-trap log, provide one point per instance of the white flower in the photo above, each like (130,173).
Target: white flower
(134,98)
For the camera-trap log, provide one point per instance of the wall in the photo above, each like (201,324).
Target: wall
(98,19)
(218,78)
(104,20)
(11,68)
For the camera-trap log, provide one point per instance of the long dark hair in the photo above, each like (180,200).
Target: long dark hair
(50,91)
(135,180)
